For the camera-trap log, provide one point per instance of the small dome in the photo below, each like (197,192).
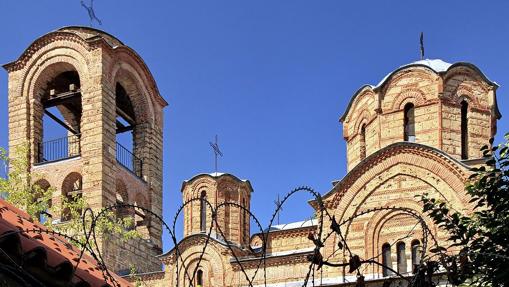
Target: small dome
(436,65)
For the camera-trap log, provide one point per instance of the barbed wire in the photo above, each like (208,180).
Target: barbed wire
(90,243)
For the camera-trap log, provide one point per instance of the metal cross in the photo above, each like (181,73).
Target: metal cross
(277,202)
(422,45)
(217,151)
(91,12)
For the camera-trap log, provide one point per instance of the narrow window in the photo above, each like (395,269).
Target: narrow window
(203,212)
(199,278)
(362,142)
(416,254)
(245,230)
(401,257)
(409,123)
(386,259)
(464,130)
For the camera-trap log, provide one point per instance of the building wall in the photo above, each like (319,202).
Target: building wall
(436,97)
(383,188)
(232,221)
(100,65)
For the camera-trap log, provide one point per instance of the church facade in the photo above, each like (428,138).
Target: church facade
(418,131)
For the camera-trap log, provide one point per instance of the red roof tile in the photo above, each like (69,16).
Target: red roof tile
(47,257)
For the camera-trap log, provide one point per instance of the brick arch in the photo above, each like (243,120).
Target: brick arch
(134,84)
(59,53)
(72,182)
(432,165)
(376,222)
(421,73)
(413,96)
(50,39)
(393,92)
(364,118)
(207,184)
(463,81)
(46,62)
(212,262)
(366,91)
(122,197)
(121,191)
(43,183)
(378,242)
(69,182)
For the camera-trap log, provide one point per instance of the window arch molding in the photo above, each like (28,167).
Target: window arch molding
(127,76)
(122,197)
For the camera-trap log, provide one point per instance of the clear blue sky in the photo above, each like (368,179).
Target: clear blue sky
(270,77)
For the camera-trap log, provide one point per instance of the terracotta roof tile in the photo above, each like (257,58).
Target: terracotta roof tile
(46,258)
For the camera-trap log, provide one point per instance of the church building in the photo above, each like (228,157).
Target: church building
(419,130)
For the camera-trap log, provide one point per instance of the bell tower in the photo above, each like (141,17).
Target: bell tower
(91,114)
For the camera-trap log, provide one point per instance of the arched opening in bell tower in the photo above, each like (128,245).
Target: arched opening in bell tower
(58,115)
(125,126)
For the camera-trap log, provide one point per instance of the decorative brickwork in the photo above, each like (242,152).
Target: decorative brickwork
(100,62)
(376,200)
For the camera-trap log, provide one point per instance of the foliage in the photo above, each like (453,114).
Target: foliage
(19,187)
(482,237)
(22,191)
(134,277)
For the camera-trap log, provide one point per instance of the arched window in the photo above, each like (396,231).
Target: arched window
(386,259)
(40,189)
(362,142)
(121,198)
(72,193)
(203,212)
(199,278)
(409,123)
(401,255)
(245,218)
(416,254)
(464,130)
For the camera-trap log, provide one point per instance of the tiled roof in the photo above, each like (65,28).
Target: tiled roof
(43,258)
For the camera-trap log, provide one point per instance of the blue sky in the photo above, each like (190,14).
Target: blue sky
(271,78)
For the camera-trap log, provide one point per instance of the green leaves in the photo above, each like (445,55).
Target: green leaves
(24,191)
(482,236)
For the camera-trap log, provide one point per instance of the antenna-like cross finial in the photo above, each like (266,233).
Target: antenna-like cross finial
(422,45)
(91,12)
(217,151)
(279,208)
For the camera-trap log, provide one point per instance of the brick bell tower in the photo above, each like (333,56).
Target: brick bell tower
(217,188)
(100,93)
